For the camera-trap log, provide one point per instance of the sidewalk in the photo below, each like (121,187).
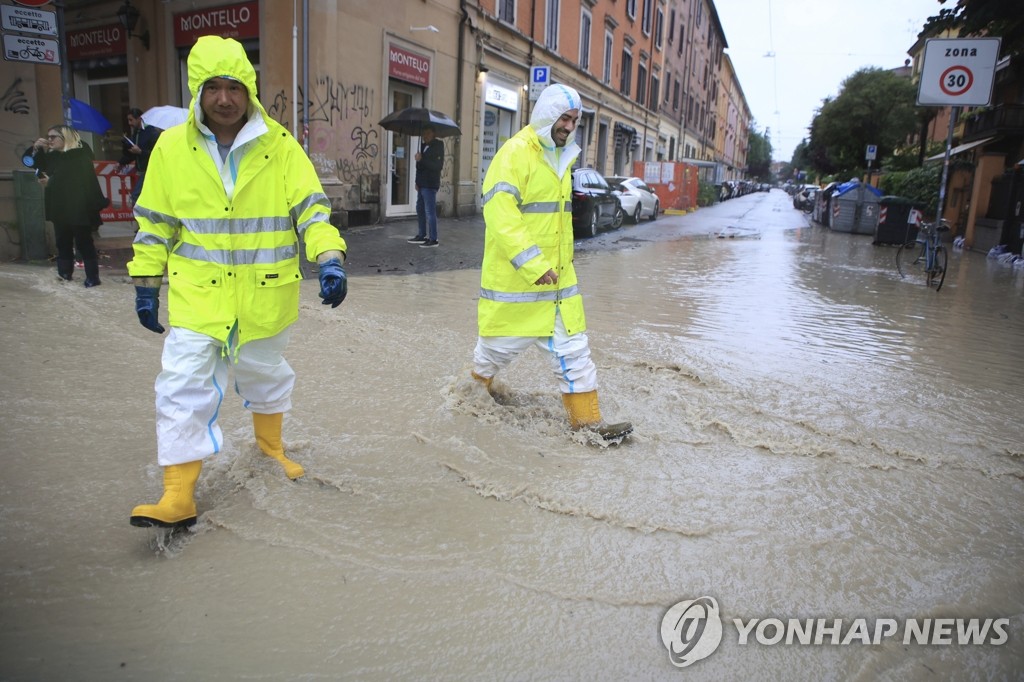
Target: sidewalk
(379,249)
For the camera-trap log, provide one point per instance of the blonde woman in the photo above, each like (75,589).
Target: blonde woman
(73,199)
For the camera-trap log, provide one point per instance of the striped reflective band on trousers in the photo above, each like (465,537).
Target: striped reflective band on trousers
(528,296)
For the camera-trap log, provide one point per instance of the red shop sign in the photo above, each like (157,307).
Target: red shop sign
(98,41)
(31,3)
(408,66)
(239,21)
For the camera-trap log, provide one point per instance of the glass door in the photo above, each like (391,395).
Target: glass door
(401,172)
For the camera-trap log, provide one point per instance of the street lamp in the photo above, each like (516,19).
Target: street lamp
(129,18)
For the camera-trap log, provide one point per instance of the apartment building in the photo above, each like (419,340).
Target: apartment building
(655,83)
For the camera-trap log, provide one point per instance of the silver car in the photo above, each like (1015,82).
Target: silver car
(636,196)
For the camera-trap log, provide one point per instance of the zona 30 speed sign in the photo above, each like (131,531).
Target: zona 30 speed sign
(958,72)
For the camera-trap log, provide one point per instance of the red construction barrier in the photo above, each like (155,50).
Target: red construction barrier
(675,183)
(117,187)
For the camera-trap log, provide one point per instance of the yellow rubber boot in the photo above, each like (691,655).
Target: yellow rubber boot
(486,381)
(268,437)
(584,413)
(176,508)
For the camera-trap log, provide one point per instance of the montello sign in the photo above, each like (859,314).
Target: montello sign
(99,41)
(241,21)
(408,66)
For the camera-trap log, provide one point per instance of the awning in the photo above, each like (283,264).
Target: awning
(961,148)
(624,129)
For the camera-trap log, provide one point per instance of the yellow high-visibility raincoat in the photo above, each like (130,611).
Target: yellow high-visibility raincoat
(527,207)
(228,238)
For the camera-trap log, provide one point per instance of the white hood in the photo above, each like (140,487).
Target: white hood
(554,101)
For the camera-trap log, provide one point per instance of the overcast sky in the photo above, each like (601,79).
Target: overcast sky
(816,44)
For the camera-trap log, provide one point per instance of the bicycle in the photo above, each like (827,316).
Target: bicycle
(926,253)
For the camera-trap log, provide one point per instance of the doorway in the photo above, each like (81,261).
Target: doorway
(400,176)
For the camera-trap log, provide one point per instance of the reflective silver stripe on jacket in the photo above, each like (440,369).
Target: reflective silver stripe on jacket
(525,256)
(528,296)
(157,218)
(209,226)
(545,207)
(319,200)
(237,256)
(504,187)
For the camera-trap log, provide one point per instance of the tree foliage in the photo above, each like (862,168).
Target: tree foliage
(920,185)
(874,106)
(1002,18)
(759,156)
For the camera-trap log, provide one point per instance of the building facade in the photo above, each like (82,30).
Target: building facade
(654,81)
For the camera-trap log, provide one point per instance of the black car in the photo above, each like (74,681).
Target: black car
(594,206)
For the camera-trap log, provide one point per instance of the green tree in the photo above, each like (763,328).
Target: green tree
(759,155)
(874,106)
(1002,18)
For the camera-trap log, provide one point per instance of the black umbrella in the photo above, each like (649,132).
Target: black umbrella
(413,120)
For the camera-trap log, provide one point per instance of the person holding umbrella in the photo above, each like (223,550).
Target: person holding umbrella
(528,289)
(137,146)
(429,162)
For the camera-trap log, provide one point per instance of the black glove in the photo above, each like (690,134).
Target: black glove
(147,305)
(333,284)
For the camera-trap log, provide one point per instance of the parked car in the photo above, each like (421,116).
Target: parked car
(805,198)
(636,196)
(594,205)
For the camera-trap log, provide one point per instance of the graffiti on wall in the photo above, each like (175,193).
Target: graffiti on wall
(14,100)
(343,139)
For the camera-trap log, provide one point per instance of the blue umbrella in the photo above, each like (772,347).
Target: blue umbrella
(84,117)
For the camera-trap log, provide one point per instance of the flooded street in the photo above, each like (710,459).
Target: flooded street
(815,438)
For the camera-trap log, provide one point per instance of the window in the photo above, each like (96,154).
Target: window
(551,30)
(631,9)
(609,42)
(700,11)
(641,83)
(655,83)
(671,25)
(645,22)
(659,28)
(675,96)
(668,86)
(507,10)
(679,50)
(626,77)
(585,40)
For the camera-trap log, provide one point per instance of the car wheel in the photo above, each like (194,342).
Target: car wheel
(592,224)
(620,215)
(636,213)
(654,216)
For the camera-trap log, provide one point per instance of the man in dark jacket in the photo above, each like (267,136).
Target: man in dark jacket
(137,146)
(429,162)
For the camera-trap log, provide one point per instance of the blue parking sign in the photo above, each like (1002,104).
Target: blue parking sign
(540,74)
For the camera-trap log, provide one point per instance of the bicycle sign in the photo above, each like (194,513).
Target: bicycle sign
(37,50)
(958,71)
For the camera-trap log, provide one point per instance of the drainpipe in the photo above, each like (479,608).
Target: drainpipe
(460,62)
(295,69)
(533,20)
(305,75)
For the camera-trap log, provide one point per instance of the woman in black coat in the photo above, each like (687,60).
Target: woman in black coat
(73,199)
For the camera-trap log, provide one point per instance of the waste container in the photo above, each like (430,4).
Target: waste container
(28,199)
(894,226)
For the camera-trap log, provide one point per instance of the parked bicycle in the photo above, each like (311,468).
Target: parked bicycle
(925,254)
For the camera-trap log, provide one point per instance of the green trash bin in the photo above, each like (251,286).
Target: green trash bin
(893,216)
(28,199)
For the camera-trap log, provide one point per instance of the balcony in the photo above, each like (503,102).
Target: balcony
(1004,119)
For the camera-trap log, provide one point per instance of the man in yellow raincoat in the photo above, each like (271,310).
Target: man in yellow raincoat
(228,195)
(528,289)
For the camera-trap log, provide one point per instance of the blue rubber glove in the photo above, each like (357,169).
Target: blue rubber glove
(147,305)
(333,284)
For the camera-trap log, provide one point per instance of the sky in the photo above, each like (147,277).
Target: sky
(816,45)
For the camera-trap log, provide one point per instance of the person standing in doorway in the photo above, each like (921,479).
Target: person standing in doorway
(230,200)
(72,199)
(429,163)
(529,295)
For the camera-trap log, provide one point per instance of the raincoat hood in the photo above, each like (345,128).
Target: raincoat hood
(216,57)
(554,101)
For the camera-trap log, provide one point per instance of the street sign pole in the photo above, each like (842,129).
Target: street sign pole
(65,69)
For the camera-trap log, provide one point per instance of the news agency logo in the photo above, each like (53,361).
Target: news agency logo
(691,630)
